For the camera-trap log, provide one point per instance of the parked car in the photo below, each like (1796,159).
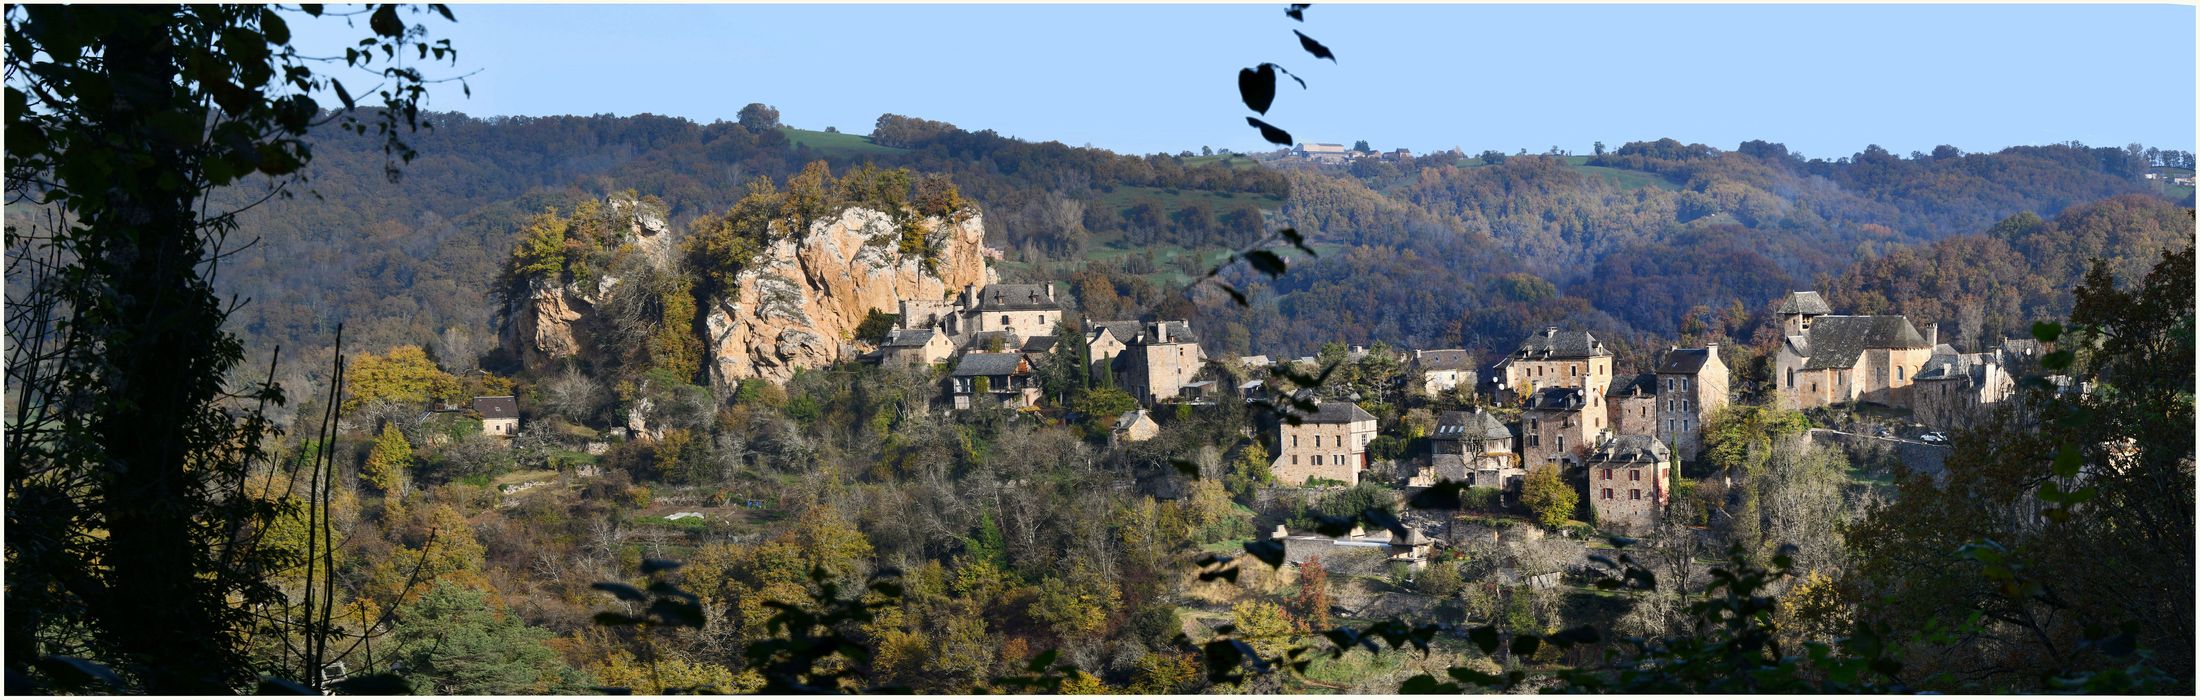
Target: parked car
(1934,438)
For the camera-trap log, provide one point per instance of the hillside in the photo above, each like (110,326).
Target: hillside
(1436,251)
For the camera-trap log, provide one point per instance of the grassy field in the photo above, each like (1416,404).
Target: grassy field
(1231,161)
(1628,179)
(1174,199)
(837,144)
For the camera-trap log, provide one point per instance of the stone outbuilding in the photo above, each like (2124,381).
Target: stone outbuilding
(1133,426)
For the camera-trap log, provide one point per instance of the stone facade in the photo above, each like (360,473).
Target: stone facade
(1632,407)
(1827,359)
(1439,371)
(1135,426)
(1559,425)
(916,348)
(1474,448)
(1554,358)
(1330,444)
(1691,384)
(1022,310)
(499,415)
(1000,376)
(1959,390)
(1630,482)
(1160,361)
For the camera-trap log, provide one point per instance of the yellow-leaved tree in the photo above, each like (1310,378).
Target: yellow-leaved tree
(389,461)
(405,375)
(1547,494)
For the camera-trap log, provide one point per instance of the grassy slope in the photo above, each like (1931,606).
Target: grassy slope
(841,144)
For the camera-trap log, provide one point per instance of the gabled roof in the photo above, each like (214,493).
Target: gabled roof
(1123,422)
(915,338)
(1684,361)
(1837,341)
(1557,398)
(1805,303)
(1122,331)
(496,406)
(1039,345)
(1471,425)
(1015,297)
(1631,448)
(988,364)
(1151,333)
(1553,343)
(1337,412)
(1439,360)
(1643,385)
(1255,361)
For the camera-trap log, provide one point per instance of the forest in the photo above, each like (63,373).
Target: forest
(290,483)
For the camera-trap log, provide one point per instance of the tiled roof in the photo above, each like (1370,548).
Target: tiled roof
(1338,412)
(1015,297)
(1684,361)
(496,406)
(1631,448)
(916,338)
(1041,344)
(1470,425)
(1557,398)
(1837,341)
(1555,343)
(1805,303)
(1123,331)
(1644,384)
(1437,360)
(988,364)
(1178,332)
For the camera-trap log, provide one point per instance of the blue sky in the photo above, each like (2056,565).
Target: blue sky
(1825,79)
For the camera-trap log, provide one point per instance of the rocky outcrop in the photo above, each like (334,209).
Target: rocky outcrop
(800,302)
(547,322)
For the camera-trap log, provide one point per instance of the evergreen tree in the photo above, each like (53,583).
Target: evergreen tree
(390,462)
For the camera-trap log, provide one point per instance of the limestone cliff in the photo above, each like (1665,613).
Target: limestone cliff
(799,303)
(548,320)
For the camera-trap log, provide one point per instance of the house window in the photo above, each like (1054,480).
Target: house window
(1535,441)
(1607,494)
(1668,383)
(1317,460)
(1898,373)
(1294,441)
(1294,460)
(1634,475)
(1317,441)
(1562,443)
(1634,494)
(1791,378)
(1607,475)
(1004,320)
(1339,460)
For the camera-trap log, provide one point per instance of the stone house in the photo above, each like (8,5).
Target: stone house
(1324,152)
(1330,443)
(1136,425)
(1827,359)
(1558,425)
(1555,358)
(1958,390)
(1159,361)
(1630,482)
(1004,376)
(1107,340)
(1438,371)
(1003,310)
(919,348)
(1691,384)
(499,415)
(1411,548)
(1474,448)
(1631,407)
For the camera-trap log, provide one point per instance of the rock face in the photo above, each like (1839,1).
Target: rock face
(800,302)
(548,323)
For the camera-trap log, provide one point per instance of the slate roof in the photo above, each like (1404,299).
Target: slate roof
(1805,303)
(1122,330)
(1015,297)
(1557,398)
(1836,342)
(1471,425)
(1684,361)
(1555,343)
(988,364)
(1631,448)
(496,406)
(982,339)
(1438,360)
(1338,412)
(1647,384)
(1039,345)
(1955,367)
(1179,332)
(909,338)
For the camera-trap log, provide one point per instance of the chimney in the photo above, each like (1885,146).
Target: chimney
(1551,331)
(1932,334)
(970,295)
(1160,332)
(1050,291)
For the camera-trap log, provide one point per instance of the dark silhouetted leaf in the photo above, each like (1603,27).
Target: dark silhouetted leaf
(1040,663)
(2046,331)
(1577,635)
(373,684)
(651,566)
(612,619)
(1270,132)
(1485,638)
(1314,47)
(1188,467)
(623,591)
(1269,551)
(1267,263)
(1443,495)
(1526,644)
(385,23)
(1292,236)
(1426,684)
(1296,11)
(282,686)
(1257,87)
